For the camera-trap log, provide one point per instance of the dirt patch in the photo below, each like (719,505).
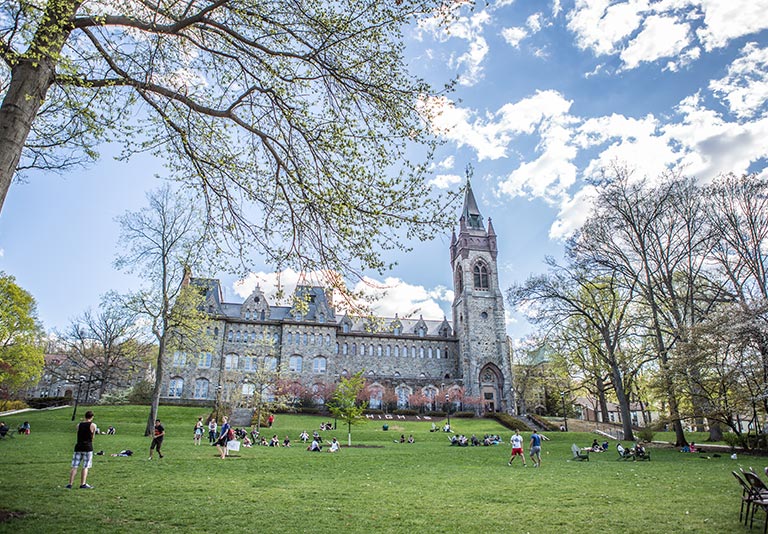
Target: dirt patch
(7,515)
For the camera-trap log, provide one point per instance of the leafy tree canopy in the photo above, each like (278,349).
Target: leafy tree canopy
(21,353)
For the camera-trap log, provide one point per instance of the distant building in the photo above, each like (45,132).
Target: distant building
(313,345)
(589,410)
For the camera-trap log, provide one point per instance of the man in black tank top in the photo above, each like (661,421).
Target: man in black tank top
(83,456)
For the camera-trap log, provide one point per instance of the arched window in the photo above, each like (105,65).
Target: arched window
(337,348)
(437,353)
(201,388)
(345,349)
(397,351)
(374,400)
(312,339)
(354,349)
(480,273)
(460,279)
(429,352)
(388,351)
(289,337)
(362,349)
(403,392)
(294,364)
(175,387)
(319,365)
(270,363)
(248,389)
(328,339)
(345,328)
(413,351)
(421,352)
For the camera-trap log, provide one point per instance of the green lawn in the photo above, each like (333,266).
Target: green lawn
(387,487)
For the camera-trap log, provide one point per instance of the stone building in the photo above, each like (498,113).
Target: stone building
(402,358)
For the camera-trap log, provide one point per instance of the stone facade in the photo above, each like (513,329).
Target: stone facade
(311,344)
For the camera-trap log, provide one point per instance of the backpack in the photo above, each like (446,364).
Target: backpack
(230,434)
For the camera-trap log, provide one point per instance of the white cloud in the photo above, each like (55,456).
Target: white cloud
(556,8)
(573,213)
(600,25)
(391,296)
(686,58)
(660,37)
(2,252)
(745,88)
(447,163)
(534,22)
(445,181)
(725,20)
(514,35)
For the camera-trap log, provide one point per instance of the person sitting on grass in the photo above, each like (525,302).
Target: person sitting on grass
(3,429)
(410,438)
(274,442)
(25,428)
(247,442)
(304,437)
(334,445)
(596,446)
(314,446)
(287,442)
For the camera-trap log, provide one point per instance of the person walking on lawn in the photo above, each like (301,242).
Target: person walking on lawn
(535,449)
(517,448)
(157,440)
(83,455)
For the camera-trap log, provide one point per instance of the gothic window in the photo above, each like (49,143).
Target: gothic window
(345,328)
(429,352)
(354,349)
(460,279)
(480,273)
(413,351)
(379,351)
(175,387)
(345,349)
(306,338)
(388,351)
(328,339)
(421,352)
(294,365)
(374,401)
(362,349)
(437,353)
(270,363)
(398,330)
(319,365)
(237,337)
(289,338)
(422,331)
(230,335)
(216,332)
(337,348)
(201,388)
(248,389)
(397,351)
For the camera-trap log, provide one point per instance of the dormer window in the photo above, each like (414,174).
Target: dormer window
(345,328)
(422,331)
(397,330)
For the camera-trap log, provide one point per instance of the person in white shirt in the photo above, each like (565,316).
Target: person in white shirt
(334,445)
(517,448)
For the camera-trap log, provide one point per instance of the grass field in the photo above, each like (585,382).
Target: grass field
(384,487)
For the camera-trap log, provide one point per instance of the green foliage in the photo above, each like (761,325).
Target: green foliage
(21,353)
(344,405)
(406,411)
(543,423)
(140,393)
(465,415)
(508,421)
(733,439)
(7,405)
(115,398)
(646,434)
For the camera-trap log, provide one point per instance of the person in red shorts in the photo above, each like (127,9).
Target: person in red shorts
(517,448)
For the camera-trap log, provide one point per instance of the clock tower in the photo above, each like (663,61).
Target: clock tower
(478,309)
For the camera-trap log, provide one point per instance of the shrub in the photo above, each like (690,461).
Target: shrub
(732,439)
(140,393)
(436,413)
(405,412)
(115,398)
(465,415)
(513,423)
(39,403)
(375,412)
(646,433)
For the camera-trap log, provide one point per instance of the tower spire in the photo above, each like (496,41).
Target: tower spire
(470,212)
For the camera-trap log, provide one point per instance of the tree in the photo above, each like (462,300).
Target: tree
(161,243)
(293,120)
(344,404)
(21,348)
(106,345)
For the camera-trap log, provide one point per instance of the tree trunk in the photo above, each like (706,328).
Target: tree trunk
(621,396)
(155,404)
(31,77)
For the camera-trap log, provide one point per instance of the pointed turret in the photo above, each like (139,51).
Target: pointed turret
(470,212)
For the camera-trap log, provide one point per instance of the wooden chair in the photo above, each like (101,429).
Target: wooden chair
(578,454)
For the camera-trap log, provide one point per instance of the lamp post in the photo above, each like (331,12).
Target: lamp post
(217,404)
(565,417)
(77,398)
(448,409)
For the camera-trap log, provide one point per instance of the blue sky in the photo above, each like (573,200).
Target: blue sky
(548,94)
